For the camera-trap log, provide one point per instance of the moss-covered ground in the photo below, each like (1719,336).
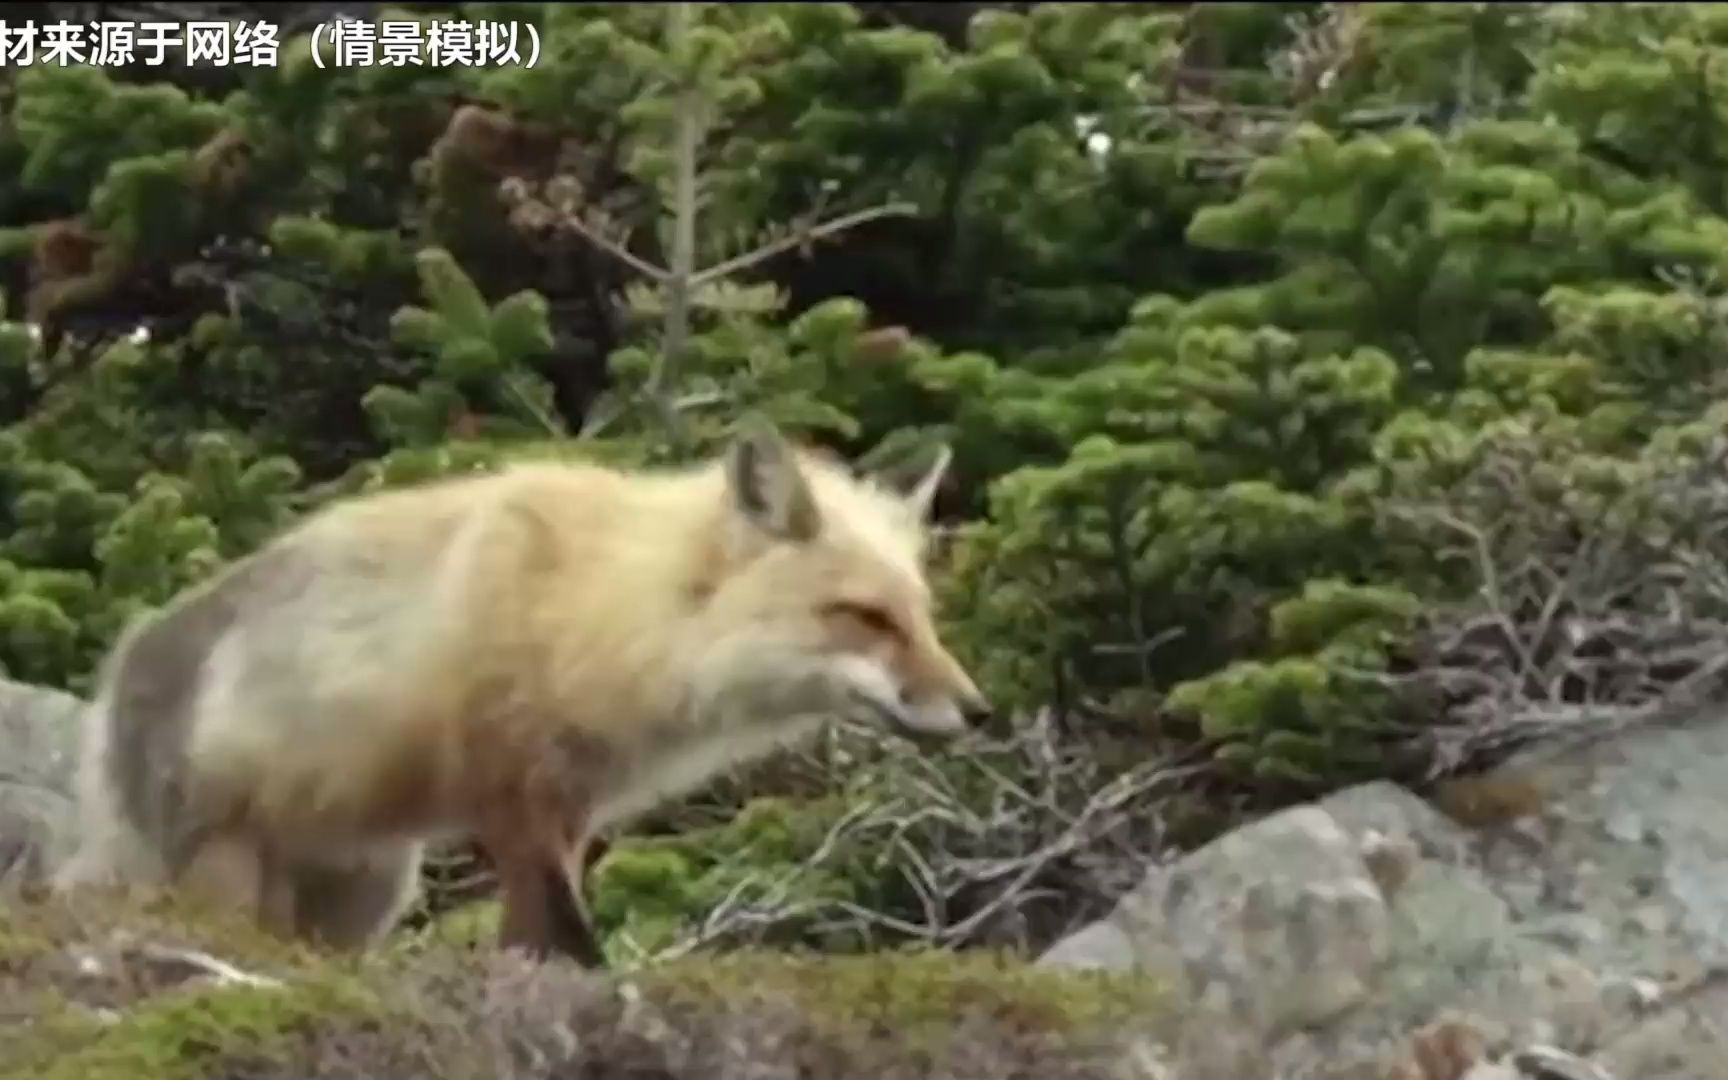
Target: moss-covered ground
(102,989)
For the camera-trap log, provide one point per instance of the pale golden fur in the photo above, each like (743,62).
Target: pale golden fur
(525,656)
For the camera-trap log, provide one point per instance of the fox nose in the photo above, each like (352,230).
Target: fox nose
(976,710)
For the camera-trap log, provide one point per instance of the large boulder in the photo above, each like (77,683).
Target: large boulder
(1587,922)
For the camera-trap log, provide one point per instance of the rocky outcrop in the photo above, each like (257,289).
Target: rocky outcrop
(38,756)
(1580,932)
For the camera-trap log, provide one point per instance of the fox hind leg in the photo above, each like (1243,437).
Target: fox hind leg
(231,871)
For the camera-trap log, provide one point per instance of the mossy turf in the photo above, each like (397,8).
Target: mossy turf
(86,994)
(96,990)
(915,996)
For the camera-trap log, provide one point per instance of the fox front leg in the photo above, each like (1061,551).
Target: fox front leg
(569,930)
(543,910)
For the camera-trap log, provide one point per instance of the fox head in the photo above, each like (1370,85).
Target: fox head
(823,604)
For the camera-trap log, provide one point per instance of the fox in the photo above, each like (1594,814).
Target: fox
(524,658)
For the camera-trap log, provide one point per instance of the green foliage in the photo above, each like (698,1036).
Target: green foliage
(244,502)
(479,357)
(1307,716)
(1148,545)
(1425,245)
(39,629)
(153,548)
(1462,57)
(1292,721)
(1637,80)
(807,376)
(357,255)
(112,507)
(651,891)
(1327,610)
(1210,475)
(80,129)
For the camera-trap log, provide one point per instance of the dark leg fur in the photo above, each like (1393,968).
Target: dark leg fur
(540,871)
(544,914)
(570,931)
(351,905)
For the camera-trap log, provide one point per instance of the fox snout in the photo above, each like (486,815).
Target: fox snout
(975,709)
(940,720)
(955,709)
(946,716)
(928,715)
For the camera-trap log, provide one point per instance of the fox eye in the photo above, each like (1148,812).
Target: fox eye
(873,617)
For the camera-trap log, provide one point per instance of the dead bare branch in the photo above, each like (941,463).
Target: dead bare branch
(987,845)
(574,223)
(1594,613)
(802,237)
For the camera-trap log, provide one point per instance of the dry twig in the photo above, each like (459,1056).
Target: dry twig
(1593,614)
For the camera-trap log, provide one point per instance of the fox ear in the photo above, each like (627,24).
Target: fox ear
(767,486)
(916,476)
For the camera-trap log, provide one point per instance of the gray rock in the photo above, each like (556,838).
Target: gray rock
(1328,934)
(1270,929)
(38,757)
(1101,946)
